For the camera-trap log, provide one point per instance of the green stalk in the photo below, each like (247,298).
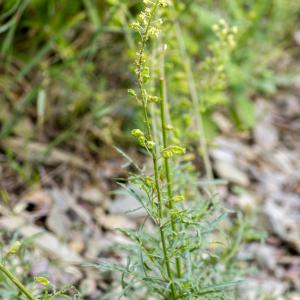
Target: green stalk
(195,102)
(162,232)
(139,73)
(160,204)
(163,101)
(16,282)
(153,152)
(153,115)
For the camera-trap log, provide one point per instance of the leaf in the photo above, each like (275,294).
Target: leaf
(9,126)
(245,111)
(217,288)
(129,159)
(93,14)
(218,220)
(108,266)
(138,197)
(41,102)
(48,46)
(14,249)
(210,128)
(6,44)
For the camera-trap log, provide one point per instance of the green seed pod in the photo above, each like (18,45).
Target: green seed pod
(169,127)
(132,92)
(142,141)
(42,280)
(153,99)
(178,150)
(150,144)
(163,3)
(145,74)
(178,198)
(14,249)
(137,133)
(167,154)
(149,181)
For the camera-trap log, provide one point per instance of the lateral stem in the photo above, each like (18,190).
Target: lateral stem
(16,282)
(196,104)
(162,232)
(163,102)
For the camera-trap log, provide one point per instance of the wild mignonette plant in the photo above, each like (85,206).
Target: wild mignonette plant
(174,254)
(9,275)
(210,84)
(40,288)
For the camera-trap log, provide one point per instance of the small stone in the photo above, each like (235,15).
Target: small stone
(282,216)
(231,173)
(77,245)
(266,135)
(266,257)
(92,195)
(254,288)
(127,204)
(71,275)
(88,286)
(58,222)
(297,37)
(246,202)
(113,221)
(223,123)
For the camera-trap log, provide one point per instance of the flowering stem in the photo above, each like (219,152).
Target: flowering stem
(162,232)
(153,115)
(15,281)
(196,103)
(163,100)
(139,70)
(153,151)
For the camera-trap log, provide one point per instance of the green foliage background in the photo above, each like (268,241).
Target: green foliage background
(65,68)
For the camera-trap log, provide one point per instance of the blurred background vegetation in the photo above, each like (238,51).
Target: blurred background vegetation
(65,70)
(66,66)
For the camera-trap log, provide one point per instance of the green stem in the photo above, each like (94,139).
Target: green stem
(140,69)
(154,151)
(15,280)
(163,100)
(195,102)
(153,115)
(161,229)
